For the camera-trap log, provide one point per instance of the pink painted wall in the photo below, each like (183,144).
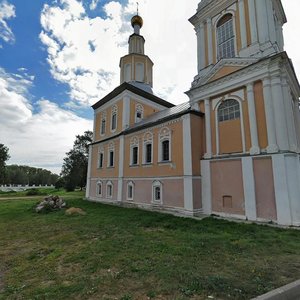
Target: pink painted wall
(227,180)
(197,193)
(264,188)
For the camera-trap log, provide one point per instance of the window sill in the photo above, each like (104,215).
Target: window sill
(147,165)
(134,166)
(164,162)
(110,167)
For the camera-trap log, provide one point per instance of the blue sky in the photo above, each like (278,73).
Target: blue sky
(58,57)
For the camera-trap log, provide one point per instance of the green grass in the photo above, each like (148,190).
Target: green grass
(117,253)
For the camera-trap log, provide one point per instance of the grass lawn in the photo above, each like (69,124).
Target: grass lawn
(117,253)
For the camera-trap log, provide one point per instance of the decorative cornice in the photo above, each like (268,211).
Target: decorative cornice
(232,62)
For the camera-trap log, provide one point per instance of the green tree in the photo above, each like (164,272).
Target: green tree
(74,169)
(4,156)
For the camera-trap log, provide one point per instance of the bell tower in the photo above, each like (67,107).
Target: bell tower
(136,67)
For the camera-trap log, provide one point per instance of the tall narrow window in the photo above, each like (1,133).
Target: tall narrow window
(165,144)
(111,155)
(114,118)
(229,110)
(101,158)
(103,123)
(99,188)
(130,189)
(148,145)
(225,37)
(165,150)
(109,189)
(148,155)
(134,151)
(157,192)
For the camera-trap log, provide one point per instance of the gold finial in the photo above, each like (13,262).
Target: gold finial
(137,8)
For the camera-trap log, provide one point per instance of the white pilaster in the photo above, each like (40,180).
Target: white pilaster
(201,47)
(88,178)
(272,144)
(206,187)
(253,24)
(249,188)
(243,23)
(262,21)
(208,153)
(126,112)
(209,41)
(279,113)
(121,169)
(252,119)
(287,101)
(271,22)
(187,163)
(281,190)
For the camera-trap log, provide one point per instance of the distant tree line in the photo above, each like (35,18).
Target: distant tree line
(29,176)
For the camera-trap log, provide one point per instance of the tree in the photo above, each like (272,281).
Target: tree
(4,156)
(74,169)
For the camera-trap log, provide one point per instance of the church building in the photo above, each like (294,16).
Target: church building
(232,150)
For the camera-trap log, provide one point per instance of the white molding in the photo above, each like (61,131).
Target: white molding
(126,112)
(249,188)
(157,183)
(209,41)
(253,24)
(208,153)
(109,183)
(130,184)
(187,164)
(121,168)
(270,121)
(252,120)
(89,170)
(281,190)
(206,187)
(243,23)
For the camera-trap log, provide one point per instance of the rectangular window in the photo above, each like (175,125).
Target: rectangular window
(109,191)
(165,150)
(111,158)
(134,156)
(148,155)
(130,192)
(99,189)
(101,158)
(114,121)
(103,123)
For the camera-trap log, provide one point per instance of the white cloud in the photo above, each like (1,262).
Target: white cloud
(7,11)
(36,139)
(84,52)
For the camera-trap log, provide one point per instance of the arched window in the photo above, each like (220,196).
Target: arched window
(225,37)
(127,73)
(111,155)
(157,192)
(99,188)
(114,112)
(164,150)
(130,190)
(103,123)
(100,158)
(109,189)
(140,72)
(139,113)
(229,110)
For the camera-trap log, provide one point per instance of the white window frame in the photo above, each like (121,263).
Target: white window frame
(130,184)
(232,110)
(147,140)
(109,184)
(111,148)
(103,118)
(114,112)
(157,184)
(165,134)
(216,21)
(139,109)
(99,184)
(134,143)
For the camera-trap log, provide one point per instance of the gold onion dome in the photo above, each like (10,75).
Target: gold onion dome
(137,20)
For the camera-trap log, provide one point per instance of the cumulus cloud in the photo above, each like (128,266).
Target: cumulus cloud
(7,11)
(84,52)
(38,139)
